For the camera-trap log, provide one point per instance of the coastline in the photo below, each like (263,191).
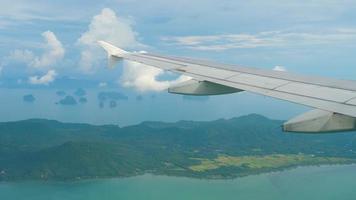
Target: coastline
(231,178)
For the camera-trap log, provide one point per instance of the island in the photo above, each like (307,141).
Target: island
(103,96)
(28,98)
(220,149)
(113,104)
(111,97)
(68,100)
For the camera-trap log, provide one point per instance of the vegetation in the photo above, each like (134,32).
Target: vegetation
(264,162)
(46,149)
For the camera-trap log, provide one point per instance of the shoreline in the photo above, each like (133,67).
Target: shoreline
(271,172)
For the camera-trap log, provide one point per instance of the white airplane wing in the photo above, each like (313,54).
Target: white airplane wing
(334,100)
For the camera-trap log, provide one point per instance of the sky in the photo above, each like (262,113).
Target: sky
(43,42)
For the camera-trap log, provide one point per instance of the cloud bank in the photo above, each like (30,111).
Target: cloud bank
(274,39)
(280,68)
(43,80)
(145,78)
(53,53)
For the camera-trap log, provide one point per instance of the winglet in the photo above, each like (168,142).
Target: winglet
(115,54)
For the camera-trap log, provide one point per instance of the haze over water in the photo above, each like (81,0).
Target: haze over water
(325,182)
(152,107)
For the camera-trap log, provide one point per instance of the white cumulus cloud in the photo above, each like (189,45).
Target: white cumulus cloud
(53,52)
(145,78)
(45,79)
(280,68)
(275,39)
(109,27)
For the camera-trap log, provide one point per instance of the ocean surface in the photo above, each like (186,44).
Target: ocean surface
(325,182)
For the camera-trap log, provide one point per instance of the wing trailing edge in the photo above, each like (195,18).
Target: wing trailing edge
(201,88)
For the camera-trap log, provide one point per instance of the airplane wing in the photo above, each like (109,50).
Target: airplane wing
(334,100)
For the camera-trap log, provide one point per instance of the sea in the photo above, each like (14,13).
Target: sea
(138,107)
(323,182)
(336,182)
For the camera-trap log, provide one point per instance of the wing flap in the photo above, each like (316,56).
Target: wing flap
(210,72)
(166,65)
(258,81)
(201,88)
(352,102)
(320,92)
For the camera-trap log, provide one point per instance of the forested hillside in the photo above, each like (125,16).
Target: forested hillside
(45,149)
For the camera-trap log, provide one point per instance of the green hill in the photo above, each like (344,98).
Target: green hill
(46,149)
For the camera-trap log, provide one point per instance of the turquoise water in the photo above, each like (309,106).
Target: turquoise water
(326,182)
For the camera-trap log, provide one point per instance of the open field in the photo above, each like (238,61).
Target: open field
(268,161)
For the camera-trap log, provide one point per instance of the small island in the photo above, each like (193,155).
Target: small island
(68,100)
(113,104)
(110,98)
(29,98)
(103,96)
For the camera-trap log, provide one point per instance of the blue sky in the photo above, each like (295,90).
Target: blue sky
(44,41)
(304,36)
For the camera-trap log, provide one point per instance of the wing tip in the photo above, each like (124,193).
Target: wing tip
(111,49)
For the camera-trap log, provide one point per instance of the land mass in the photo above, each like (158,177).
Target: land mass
(50,150)
(68,100)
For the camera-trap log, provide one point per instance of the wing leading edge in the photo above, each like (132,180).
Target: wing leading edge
(334,100)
